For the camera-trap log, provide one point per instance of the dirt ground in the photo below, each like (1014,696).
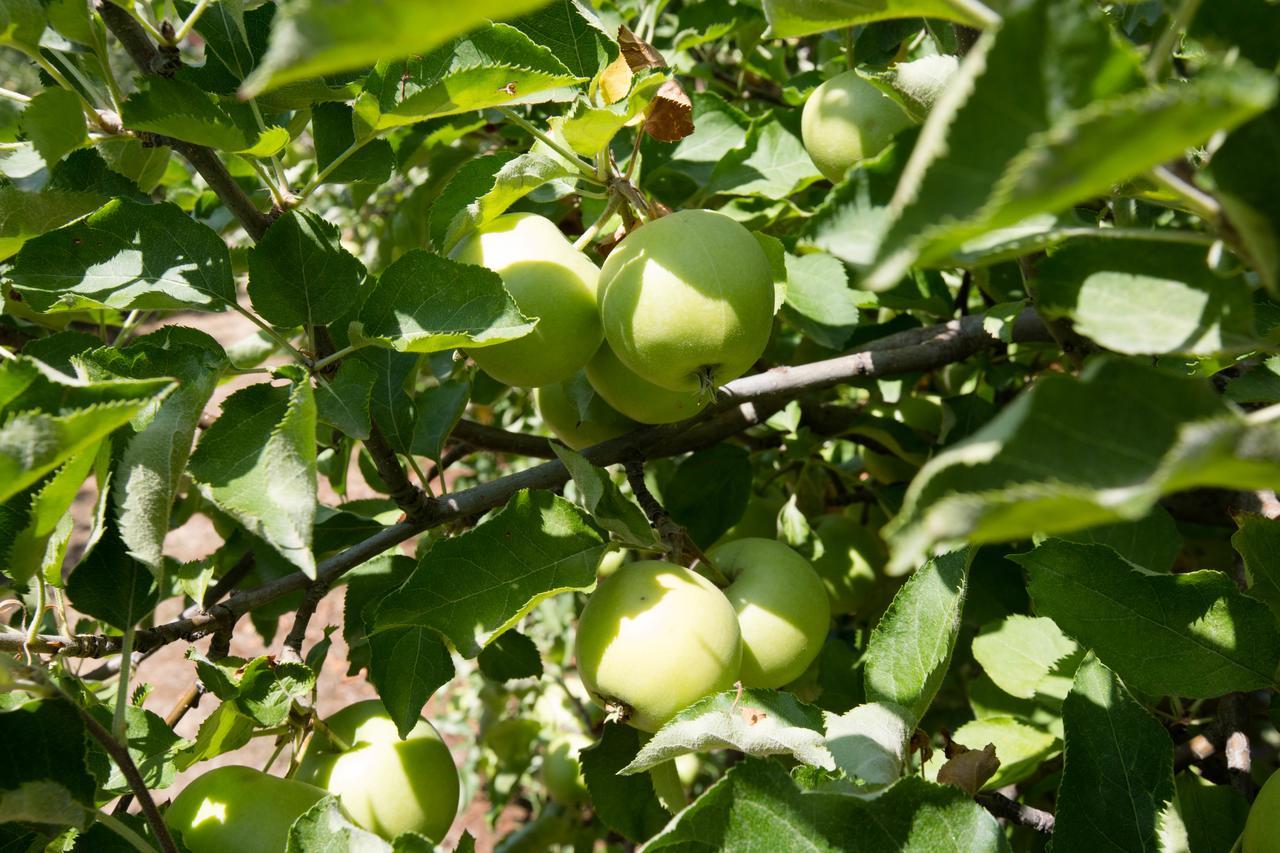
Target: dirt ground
(171,674)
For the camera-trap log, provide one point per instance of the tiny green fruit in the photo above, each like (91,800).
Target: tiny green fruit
(653,639)
(388,786)
(687,300)
(239,809)
(636,397)
(557,403)
(847,120)
(782,609)
(548,279)
(1262,829)
(562,770)
(853,556)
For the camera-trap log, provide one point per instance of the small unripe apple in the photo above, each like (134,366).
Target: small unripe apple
(560,413)
(847,120)
(1262,829)
(548,279)
(636,397)
(687,300)
(562,770)
(782,608)
(853,556)
(653,639)
(387,785)
(239,809)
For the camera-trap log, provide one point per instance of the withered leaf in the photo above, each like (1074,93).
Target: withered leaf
(670,116)
(639,53)
(969,769)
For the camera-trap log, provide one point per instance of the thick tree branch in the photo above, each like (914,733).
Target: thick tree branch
(742,403)
(1023,815)
(496,439)
(153,62)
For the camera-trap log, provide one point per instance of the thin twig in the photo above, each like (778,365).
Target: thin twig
(298,634)
(1023,815)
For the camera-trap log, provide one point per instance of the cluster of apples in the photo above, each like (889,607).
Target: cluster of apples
(683,304)
(384,784)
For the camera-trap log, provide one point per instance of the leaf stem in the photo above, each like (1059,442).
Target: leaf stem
(263,175)
(1162,51)
(276,336)
(422,478)
(37,616)
(332,357)
(1198,201)
(123,830)
(587,170)
(334,164)
(10,95)
(143,21)
(118,726)
(594,228)
(190,21)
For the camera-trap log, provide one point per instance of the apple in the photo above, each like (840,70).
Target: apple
(610,563)
(548,279)
(636,397)
(782,608)
(387,785)
(687,300)
(1262,829)
(562,771)
(559,409)
(239,809)
(853,556)
(653,639)
(847,120)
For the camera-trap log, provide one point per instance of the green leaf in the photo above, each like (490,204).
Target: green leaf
(1020,747)
(325,828)
(1258,542)
(708,492)
(1140,297)
(126,256)
(756,805)
(772,164)
(869,742)
(536,546)
(22,24)
(24,215)
(626,804)
(760,722)
(174,108)
(45,740)
(109,585)
(571,30)
(439,410)
(426,303)
(1019,652)
(1258,384)
(234,41)
(390,406)
(910,647)
(789,18)
(589,128)
(225,730)
(511,182)
(150,468)
(472,180)
(1240,172)
(257,463)
(40,542)
(1151,543)
(1214,815)
(819,301)
(489,67)
(343,401)
(512,655)
(43,803)
(299,273)
(313,38)
(367,585)
(1117,777)
(604,500)
(406,666)
(718,129)
(852,219)
(1059,459)
(55,124)
(262,689)
(153,746)
(1167,635)
(334,133)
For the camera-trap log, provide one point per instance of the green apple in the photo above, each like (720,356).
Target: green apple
(1262,829)
(687,300)
(387,785)
(653,639)
(847,120)
(853,556)
(636,397)
(557,403)
(239,809)
(548,279)
(610,563)
(562,771)
(782,608)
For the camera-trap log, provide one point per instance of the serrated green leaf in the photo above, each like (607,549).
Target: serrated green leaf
(24,215)
(225,730)
(789,18)
(126,256)
(426,303)
(1214,815)
(472,180)
(626,804)
(42,541)
(171,107)
(313,38)
(45,740)
(709,491)
(573,32)
(325,828)
(299,273)
(1019,652)
(512,655)
(1258,542)
(257,462)
(367,585)
(1167,635)
(234,41)
(1021,748)
(153,746)
(1151,543)
(334,132)
(55,124)
(1240,172)
(1140,297)
(760,722)
(407,665)
(439,410)
(819,301)
(343,402)
(511,182)
(262,689)
(536,546)
(869,742)
(910,647)
(605,501)
(589,128)
(489,67)
(772,163)
(111,586)
(43,803)
(1117,775)
(1059,458)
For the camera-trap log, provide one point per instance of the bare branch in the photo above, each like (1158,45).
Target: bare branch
(1023,815)
(310,601)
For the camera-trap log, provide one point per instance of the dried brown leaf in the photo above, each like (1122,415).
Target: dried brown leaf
(969,769)
(670,116)
(639,53)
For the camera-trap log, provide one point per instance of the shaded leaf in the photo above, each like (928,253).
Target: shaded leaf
(605,501)
(343,401)
(512,655)
(708,492)
(626,804)
(407,665)
(299,273)
(55,124)
(334,133)
(1258,542)
(110,585)
(1019,652)
(789,18)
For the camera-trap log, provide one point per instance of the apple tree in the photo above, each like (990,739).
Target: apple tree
(735,424)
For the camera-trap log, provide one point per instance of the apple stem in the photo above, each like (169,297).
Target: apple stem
(706,383)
